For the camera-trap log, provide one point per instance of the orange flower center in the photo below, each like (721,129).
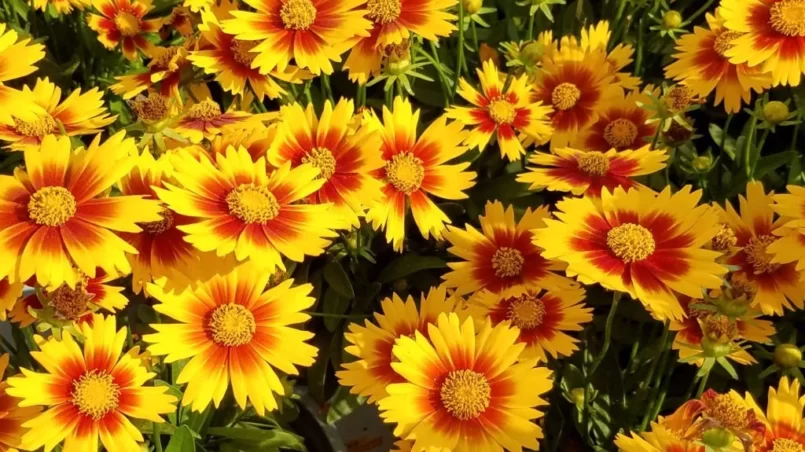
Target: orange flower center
(159,227)
(723,41)
(384,11)
(724,239)
(322,159)
(232,325)
(507,262)
(465,394)
(70,303)
(717,326)
(620,133)
(43,125)
(241,51)
(788,17)
(565,96)
(405,172)
(679,97)
(593,163)
(787,445)
(631,242)
(526,312)
(206,110)
(729,413)
(742,287)
(298,14)
(95,394)
(502,111)
(51,206)
(152,108)
(127,23)
(758,257)
(253,203)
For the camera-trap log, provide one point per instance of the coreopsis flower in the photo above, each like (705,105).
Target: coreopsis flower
(90,395)
(122,22)
(234,331)
(701,64)
(783,418)
(728,413)
(587,172)
(251,215)
(596,38)
(502,113)
(660,438)
(12,416)
(257,141)
(19,58)
(621,124)
(55,213)
(61,6)
(640,242)
(502,254)
(89,295)
(790,247)
(165,70)
(345,161)
(372,343)
(576,89)
(776,285)
(205,119)
(78,114)
(542,317)
(415,168)
(9,293)
(313,33)
(464,390)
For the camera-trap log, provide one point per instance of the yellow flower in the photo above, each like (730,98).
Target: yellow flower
(783,418)
(12,416)
(205,119)
(62,6)
(122,22)
(17,59)
(790,247)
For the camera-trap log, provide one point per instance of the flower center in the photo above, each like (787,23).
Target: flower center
(163,59)
(158,227)
(724,239)
(232,325)
(51,206)
(507,262)
(405,172)
(127,23)
(788,17)
(787,445)
(565,96)
(152,108)
(70,303)
(724,40)
(253,203)
(95,394)
(679,97)
(206,110)
(322,159)
(631,242)
(465,394)
(241,52)
(526,312)
(717,326)
(620,133)
(384,11)
(728,412)
(44,125)
(502,111)
(757,256)
(742,287)
(297,14)
(593,163)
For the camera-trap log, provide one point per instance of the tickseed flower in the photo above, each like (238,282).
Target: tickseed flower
(790,246)
(19,57)
(205,119)
(122,22)
(64,305)
(597,38)
(621,124)
(164,72)
(61,6)
(783,418)
(12,416)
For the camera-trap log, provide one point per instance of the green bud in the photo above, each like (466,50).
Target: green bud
(775,112)
(472,6)
(702,163)
(718,438)
(787,356)
(672,19)
(532,52)
(577,396)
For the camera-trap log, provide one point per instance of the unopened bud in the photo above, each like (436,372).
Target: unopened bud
(672,19)
(787,356)
(472,6)
(775,112)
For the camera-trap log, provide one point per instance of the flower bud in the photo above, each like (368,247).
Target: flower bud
(672,19)
(532,52)
(472,6)
(775,112)
(577,396)
(718,438)
(787,356)
(702,163)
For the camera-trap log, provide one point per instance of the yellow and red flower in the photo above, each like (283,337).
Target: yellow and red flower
(9,293)
(204,119)
(61,6)
(621,124)
(783,418)
(257,141)
(165,68)
(122,22)
(502,114)
(12,416)
(17,59)
(596,38)
(790,247)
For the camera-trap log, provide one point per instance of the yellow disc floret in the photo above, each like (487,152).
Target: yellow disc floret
(95,394)
(565,96)
(297,14)
(51,206)
(232,325)
(507,262)
(465,394)
(405,172)
(631,242)
(253,203)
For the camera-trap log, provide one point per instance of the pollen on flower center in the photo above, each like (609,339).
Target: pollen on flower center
(620,133)
(297,14)
(631,242)
(384,11)
(507,262)
(723,41)
(465,394)
(757,256)
(502,111)
(127,23)
(724,239)
(206,110)
(565,96)
(70,303)
(232,325)
(679,97)
(152,108)
(526,312)
(241,52)
(159,227)
(322,159)
(593,163)
(786,445)
(43,125)
(729,413)
(51,206)
(788,17)
(717,326)
(95,394)
(405,172)
(163,59)
(253,203)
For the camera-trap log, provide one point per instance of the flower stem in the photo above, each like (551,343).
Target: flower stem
(460,61)
(702,385)
(530,30)
(443,79)
(699,12)
(475,37)
(327,91)
(759,149)
(644,384)
(616,297)
(156,439)
(360,95)
(749,149)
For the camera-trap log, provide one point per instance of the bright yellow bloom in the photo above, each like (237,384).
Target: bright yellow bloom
(783,418)
(790,247)
(17,60)
(596,38)
(9,293)
(205,119)
(166,68)
(62,6)
(122,23)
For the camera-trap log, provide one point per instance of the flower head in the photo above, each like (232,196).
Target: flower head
(122,22)
(621,124)
(205,119)
(790,246)
(19,57)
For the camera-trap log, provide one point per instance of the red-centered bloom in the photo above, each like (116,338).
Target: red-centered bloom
(206,120)
(621,124)
(12,416)
(165,69)
(121,22)
(790,247)
(783,418)
(587,172)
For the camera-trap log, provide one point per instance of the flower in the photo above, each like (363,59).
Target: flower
(660,439)
(204,119)
(9,293)
(18,59)
(89,294)
(89,395)
(502,113)
(587,172)
(621,124)
(53,214)
(777,286)
(541,316)
(12,416)
(730,413)
(791,246)
(165,68)
(121,22)
(640,242)
(596,38)
(239,209)
(701,65)
(78,114)
(502,255)
(346,161)
(257,141)
(372,343)
(233,330)
(783,418)
(311,32)
(415,168)
(62,6)
(464,390)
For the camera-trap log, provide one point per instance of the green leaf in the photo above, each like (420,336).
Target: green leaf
(334,303)
(728,367)
(337,278)
(258,438)
(770,163)
(342,404)
(182,441)
(408,264)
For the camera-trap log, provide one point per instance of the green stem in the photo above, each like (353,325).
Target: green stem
(400,91)
(308,95)
(702,385)
(659,398)
(360,95)
(328,91)
(338,316)
(749,148)
(156,439)
(699,12)
(644,384)
(390,98)
(475,37)
(638,64)
(616,297)
(726,129)
(460,61)
(692,385)
(759,150)
(530,31)
(443,79)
